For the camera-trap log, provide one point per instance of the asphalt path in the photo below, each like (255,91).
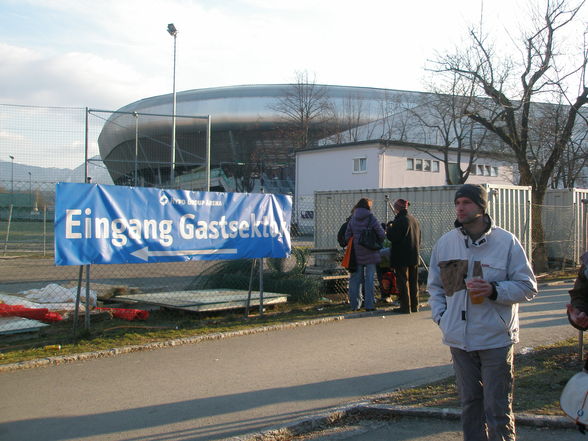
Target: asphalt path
(228,387)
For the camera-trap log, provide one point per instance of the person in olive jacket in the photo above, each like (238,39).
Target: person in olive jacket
(404,234)
(578,306)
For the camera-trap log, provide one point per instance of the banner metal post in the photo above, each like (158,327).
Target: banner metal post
(250,285)
(77,307)
(261,286)
(88,305)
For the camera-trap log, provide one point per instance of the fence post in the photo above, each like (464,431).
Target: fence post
(44,230)
(261,286)
(584,237)
(77,305)
(136,171)
(250,285)
(78,298)
(87,315)
(8,229)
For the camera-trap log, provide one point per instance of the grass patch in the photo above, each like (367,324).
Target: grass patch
(107,332)
(28,231)
(540,376)
(561,275)
(308,298)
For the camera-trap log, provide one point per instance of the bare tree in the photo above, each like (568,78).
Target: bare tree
(569,171)
(351,120)
(514,89)
(395,117)
(441,116)
(305,107)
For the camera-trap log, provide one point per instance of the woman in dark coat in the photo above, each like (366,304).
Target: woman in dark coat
(362,219)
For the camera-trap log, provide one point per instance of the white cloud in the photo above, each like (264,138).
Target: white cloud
(68,79)
(7,136)
(71,52)
(108,54)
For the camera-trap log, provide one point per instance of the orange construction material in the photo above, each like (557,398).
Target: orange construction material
(41,314)
(127,314)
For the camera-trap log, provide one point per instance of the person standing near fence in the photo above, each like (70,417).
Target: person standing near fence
(366,259)
(480,327)
(404,234)
(577,309)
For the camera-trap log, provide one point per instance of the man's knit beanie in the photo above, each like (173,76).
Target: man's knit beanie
(476,193)
(401,204)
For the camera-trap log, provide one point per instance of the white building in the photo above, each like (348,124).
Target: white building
(378,164)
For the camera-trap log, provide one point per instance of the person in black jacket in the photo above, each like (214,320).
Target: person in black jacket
(404,234)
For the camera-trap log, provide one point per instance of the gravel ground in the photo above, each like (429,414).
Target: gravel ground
(369,422)
(425,429)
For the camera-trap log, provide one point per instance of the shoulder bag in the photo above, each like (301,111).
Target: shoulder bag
(369,239)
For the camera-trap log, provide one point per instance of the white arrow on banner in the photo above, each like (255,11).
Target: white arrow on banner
(144,252)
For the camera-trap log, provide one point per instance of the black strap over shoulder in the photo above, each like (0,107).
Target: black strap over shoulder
(341,234)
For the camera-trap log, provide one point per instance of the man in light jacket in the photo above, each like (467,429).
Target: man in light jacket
(480,328)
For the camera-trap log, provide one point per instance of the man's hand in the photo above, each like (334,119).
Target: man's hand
(478,288)
(578,317)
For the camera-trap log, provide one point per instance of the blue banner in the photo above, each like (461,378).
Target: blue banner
(111,224)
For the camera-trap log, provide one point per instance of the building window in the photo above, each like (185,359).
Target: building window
(453,171)
(422,165)
(359,165)
(483,170)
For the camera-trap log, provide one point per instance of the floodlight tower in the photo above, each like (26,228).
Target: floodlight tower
(171,29)
(11,179)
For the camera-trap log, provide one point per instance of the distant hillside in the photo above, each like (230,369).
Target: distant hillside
(96,170)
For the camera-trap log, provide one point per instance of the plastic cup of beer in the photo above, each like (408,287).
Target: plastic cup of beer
(472,291)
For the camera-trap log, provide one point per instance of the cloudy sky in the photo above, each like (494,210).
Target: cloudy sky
(104,54)
(108,53)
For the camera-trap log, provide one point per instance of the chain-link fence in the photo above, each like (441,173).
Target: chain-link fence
(561,240)
(26,218)
(31,167)
(42,146)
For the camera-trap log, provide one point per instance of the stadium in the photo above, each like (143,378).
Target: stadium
(251,144)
